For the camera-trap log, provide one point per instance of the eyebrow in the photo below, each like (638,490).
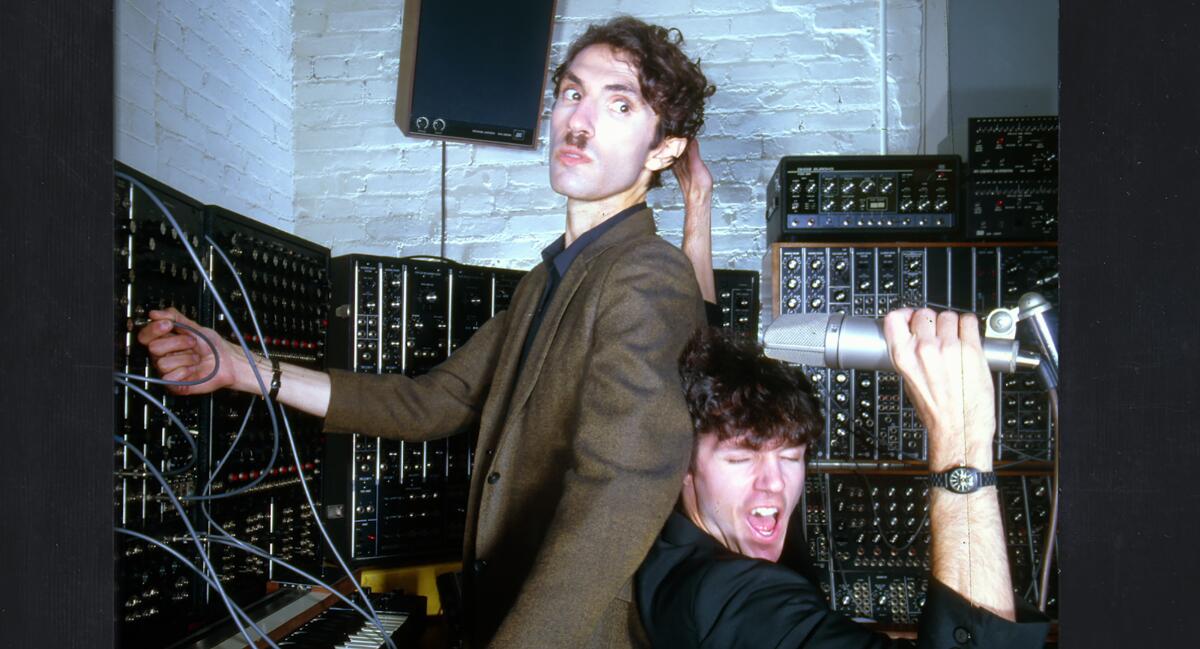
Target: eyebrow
(612,87)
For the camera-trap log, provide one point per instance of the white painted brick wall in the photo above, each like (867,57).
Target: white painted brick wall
(793,77)
(204,100)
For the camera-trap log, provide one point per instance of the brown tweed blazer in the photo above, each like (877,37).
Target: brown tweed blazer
(580,458)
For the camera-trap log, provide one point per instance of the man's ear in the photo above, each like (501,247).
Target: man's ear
(666,153)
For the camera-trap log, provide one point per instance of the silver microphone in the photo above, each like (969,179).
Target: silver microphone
(839,341)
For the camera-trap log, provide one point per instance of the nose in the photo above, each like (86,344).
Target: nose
(769,476)
(581,119)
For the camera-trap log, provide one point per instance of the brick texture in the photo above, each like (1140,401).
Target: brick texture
(283,109)
(792,78)
(204,101)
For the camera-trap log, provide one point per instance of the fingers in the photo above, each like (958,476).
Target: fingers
(170,344)
(947,326)
(968,330)
(922,323)
(172,362)
(895,326)
(162,322)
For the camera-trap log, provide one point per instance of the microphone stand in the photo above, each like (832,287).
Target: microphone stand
(1032,308)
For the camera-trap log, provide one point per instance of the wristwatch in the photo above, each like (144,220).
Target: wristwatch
(963,479)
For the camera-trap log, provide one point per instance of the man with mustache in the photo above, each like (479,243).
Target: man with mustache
(584,434)
(711,579)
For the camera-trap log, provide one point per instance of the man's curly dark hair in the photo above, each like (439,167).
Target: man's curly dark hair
(735,391)
(673,84)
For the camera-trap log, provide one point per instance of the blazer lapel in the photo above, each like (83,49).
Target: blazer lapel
(520,313)
(637,225)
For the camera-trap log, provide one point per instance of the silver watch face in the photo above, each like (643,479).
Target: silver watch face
(962,480)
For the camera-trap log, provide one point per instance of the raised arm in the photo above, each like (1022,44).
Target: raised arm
(696,183)
(947,379)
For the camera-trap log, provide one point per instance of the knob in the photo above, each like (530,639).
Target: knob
(422,123)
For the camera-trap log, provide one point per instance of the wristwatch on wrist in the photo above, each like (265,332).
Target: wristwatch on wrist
(963,479)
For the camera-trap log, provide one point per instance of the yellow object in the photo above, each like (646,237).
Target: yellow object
(420,580)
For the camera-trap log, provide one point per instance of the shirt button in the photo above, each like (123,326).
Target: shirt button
(491,452)
(480,564)
(961,635)
(494,478)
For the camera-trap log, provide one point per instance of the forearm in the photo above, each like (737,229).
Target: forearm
(968,548)
(697,243)
(299,387)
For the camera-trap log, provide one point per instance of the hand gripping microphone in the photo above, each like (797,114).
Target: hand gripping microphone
(839,341)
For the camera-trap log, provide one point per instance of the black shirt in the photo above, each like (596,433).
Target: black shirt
(693,592)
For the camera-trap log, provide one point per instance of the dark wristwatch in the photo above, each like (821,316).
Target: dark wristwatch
(963,479)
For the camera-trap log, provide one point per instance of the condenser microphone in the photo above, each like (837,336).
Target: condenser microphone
(839,341)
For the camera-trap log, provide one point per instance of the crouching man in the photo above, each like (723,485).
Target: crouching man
(711,579)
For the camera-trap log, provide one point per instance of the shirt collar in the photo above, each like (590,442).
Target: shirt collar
(558,256)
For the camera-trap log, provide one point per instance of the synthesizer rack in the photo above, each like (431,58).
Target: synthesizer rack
(159,600)
(287,281)
(1013,179)
(154,271)
(864,511)
(738,300)
(388,500)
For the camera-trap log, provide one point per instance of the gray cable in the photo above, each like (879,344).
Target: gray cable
(226,539)
(215,369)
(262,389)
(174,419)
(191,566)
(288,429)
(170,493)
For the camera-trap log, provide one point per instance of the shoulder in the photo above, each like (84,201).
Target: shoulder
(713,596)
(648,261)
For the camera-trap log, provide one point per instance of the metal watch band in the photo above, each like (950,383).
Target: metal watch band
(963,479)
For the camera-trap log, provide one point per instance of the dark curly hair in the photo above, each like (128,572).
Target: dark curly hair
(735,391)
(672,83)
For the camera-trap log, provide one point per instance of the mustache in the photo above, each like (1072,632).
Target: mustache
(576,139)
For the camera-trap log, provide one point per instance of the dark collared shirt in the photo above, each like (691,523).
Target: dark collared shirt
(692,593)
(558,258)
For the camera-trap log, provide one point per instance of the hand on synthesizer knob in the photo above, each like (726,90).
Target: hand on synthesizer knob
(946,377)
(180,355)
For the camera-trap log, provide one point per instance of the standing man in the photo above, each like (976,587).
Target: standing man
(584,434)
(711,579)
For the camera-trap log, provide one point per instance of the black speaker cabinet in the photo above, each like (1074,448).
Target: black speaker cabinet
(474,70)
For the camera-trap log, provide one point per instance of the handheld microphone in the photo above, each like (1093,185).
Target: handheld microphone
(838,341)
